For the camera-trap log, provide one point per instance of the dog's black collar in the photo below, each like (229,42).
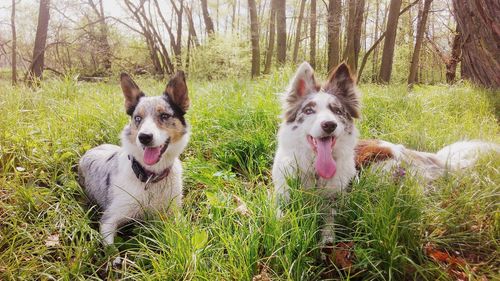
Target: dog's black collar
(147,176)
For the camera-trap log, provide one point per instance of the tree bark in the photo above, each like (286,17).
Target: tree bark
(192,31)
(478,23)
(418,43)
(375,52)
(312,47)
(334,19)
(281,31)
(177,46)
(451,66)
(389,43)
(375,44)
(297,32)
(209,24)
(105,49)
(14,43)
(358,23)
(36,68)
(254,31)
(272,33)
(348,55)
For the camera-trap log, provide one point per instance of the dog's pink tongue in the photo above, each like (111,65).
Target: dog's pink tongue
(152,155)
(325,165)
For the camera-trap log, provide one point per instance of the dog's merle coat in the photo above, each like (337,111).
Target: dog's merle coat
(124,181)
(307,106)
(317,137)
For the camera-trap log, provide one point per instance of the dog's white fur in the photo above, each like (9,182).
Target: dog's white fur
(294,156)
(107,176)
(430,166)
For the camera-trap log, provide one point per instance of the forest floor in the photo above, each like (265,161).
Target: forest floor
(385,230)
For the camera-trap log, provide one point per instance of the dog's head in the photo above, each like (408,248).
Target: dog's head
(157,125)
(322,114)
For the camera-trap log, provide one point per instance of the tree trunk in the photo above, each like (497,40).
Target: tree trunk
(209,24)
(14,43)
(36,68)
(418,43)
(478,23)
(451,66)
(334,19)
(192,31)
(281,30)
(358,23)
(312,47)
(272,33)
(375,53)
(350,29)
(390,40)
(104,48)
(297,32)
(254,31)
(375,44)
(177,46)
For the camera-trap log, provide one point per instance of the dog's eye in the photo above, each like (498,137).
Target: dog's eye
(337,111)
(308,111)
(137,120)
(164,117)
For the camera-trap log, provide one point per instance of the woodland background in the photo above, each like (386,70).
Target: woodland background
(60,96)
(412,41)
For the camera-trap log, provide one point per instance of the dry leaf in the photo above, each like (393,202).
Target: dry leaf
(443,257)
(52,240)
(344,255)
(451,263)
(262,276)
(241,206)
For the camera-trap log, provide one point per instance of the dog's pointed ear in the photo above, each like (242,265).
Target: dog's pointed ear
(131,92)
(343,85)
(303,83)
(177,91)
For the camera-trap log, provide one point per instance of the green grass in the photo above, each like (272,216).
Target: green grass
(44,132)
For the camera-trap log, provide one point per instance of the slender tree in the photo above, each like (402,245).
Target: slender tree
(14,42)
(104,48)
(209,24)
(358,23)
(334,20)
(254,31)
(350,31)
(271,37)
(298,31)
(456,53)
(418,43)
(389,42)
(36,69)
(312,34)
(479,24)
(281,30)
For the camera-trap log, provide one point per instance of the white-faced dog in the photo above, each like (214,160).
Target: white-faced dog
(145,172)
(317,137)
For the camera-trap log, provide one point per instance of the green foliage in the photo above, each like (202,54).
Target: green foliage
(48,232)
(220,57)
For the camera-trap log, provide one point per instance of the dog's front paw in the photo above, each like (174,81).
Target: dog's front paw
(279,214)
(117,262)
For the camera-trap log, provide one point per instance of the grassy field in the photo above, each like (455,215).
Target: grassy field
(48,232)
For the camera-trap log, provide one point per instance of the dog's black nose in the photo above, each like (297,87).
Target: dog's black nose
(145,138)
(328,126)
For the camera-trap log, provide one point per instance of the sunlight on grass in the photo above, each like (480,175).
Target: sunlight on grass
(47,230)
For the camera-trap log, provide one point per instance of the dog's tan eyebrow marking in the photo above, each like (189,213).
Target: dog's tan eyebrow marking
(332,106)
(310,104)
(140,111)
(160,108)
